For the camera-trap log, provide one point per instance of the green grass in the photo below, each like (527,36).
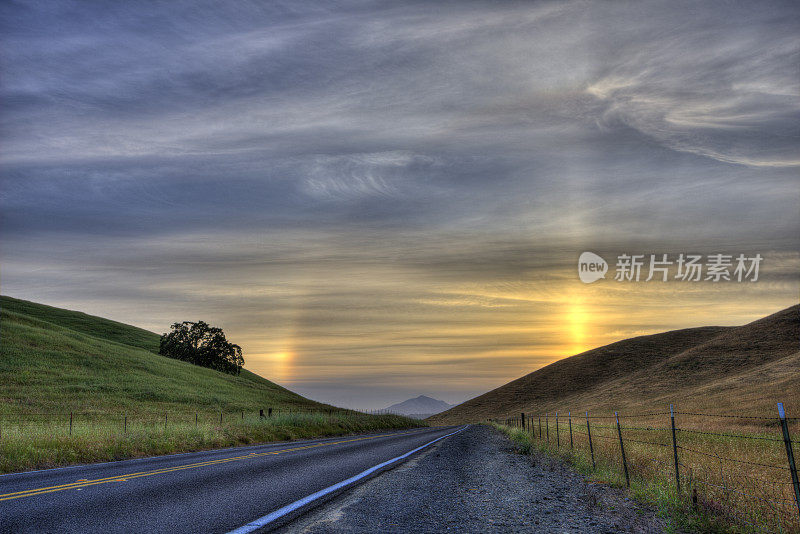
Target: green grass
(53,362)
(98,327)
(47,367)
(48,443)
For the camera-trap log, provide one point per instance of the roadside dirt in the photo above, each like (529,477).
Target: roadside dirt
(476,482)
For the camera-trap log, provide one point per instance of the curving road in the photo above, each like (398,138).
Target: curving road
(211,491)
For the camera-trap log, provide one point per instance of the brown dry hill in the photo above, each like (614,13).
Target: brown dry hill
(724,368)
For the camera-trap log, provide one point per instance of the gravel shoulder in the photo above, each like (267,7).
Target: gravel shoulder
(476,482)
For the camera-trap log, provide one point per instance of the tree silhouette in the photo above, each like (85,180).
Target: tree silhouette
(202,344)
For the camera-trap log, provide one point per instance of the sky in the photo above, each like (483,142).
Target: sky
(378,200)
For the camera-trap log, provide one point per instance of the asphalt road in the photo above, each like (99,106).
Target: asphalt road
(477,482)
(209,491)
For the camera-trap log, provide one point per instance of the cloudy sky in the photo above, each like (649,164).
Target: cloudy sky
(383,199)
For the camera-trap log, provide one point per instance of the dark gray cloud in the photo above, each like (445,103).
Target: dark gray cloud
(367,181)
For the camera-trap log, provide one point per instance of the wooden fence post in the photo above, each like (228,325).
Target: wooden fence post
(589,431)
(790,455)
(622,450)
(675,449)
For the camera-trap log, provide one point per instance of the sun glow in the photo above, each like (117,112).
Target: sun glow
(281,365)
(578,320)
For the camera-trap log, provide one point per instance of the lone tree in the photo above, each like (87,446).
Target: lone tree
(203,345)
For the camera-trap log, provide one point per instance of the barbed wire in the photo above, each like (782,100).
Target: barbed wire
(727,435)
(645,428)
(760,480)
(735,483)
(717,456)
(187,414)
(581,415)
(736,416)
(625,440)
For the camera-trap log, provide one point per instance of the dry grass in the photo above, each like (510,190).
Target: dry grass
(723,461)
(742,371)
(699,368)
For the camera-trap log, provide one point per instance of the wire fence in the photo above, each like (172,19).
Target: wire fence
(121,422)
(738,467)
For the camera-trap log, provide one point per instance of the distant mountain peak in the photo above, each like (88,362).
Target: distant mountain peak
(419,406)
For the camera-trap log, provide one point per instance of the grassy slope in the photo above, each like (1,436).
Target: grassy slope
(57,360)
(98,327)
(710,367)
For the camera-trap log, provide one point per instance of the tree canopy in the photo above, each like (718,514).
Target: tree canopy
(202,344)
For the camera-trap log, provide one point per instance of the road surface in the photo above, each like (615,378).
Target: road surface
(476,482)
(210,491)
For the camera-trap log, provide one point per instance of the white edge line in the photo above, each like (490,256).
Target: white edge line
(261,522)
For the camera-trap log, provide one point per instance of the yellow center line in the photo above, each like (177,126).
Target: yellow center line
(82,483)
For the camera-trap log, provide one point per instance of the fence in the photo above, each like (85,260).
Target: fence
(69,423)
(738,467)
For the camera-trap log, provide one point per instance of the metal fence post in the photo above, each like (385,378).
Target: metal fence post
(622,450)
(675,449)
(540,427)
(165,421)
(558,437)
(589,431)
(220,417)
(125,425)
(787,440)
(547,427)
(569,418)
(70,423)
(522,415)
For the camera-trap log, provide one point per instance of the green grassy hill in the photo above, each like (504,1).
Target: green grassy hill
(128,401)
(55,360)
(82,323)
